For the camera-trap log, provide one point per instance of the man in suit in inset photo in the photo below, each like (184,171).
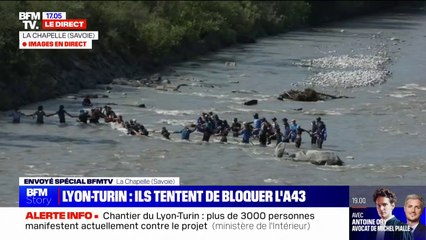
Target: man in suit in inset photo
(413,208)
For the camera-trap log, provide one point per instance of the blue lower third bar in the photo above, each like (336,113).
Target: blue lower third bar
(184,196)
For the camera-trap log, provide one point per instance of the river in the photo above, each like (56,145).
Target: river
(380,133)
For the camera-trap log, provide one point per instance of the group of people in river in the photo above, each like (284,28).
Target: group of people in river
(83,117)
(39,114)
(209,124)
(260,128)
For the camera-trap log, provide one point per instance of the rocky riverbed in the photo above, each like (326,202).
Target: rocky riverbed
(352,70)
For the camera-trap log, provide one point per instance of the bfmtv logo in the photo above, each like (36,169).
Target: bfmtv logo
(26,18)
(31,192)
(38,197)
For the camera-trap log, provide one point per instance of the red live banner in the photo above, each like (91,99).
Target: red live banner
(65,24)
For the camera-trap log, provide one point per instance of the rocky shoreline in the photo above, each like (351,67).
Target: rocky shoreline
(352,70)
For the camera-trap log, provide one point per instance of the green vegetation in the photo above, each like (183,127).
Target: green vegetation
(140,36)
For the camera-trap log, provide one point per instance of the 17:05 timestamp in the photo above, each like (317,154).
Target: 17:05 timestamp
(54,15)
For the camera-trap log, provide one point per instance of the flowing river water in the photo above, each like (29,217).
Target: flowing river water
(380,133)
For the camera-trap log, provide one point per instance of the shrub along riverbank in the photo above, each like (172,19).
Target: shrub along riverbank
(140,37)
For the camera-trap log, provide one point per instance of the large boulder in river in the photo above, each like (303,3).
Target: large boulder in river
(318,157)
(307,95)
(251,102)
(280,150)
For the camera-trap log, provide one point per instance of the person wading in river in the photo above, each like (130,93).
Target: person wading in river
(39,114)
(236,128)
(61,114)
(16,115)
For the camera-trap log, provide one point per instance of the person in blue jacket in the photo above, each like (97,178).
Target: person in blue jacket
(293,130)
(257,124)
(185,133)
(246,133)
